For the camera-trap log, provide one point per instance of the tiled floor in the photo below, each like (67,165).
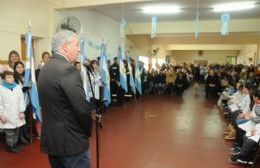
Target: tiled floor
(154,132)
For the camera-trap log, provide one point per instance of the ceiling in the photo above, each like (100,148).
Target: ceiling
(133,11)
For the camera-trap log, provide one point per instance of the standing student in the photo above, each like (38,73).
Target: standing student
(96,84)
(18,78)
(12,107)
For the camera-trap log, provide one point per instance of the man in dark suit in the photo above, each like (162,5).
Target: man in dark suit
(116,92)
(67,121)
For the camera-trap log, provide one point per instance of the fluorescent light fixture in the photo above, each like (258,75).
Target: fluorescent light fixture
(237,6)
(161,9)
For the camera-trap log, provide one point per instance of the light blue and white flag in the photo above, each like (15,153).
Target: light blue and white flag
(138,83)
(197,25)
(122,27)
(225,18)
(154,26)
(105,77)
(27,71)
(29,78)
(83,70)
(122,70)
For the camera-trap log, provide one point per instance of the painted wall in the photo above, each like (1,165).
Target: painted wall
(258,53)
(95,27)
(16,13)
(192,55)
(13,24)
(206,26)
(140,45)
(80,3)
(248,54)
(207,38)
(204,47)
(247,43)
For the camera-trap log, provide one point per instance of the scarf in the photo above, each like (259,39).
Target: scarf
(9,86)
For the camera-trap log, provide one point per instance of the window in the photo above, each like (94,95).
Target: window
(160,61)
(154,63)
(145,60)
(157,62)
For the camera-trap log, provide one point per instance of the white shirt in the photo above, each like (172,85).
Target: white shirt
(11,104)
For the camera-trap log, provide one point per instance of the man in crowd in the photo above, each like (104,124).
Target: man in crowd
(67,121)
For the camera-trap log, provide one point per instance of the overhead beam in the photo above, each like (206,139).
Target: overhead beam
(85,3)
(55,4)
(210,26)
(205,47)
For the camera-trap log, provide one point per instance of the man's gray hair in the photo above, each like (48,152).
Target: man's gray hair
(60,38)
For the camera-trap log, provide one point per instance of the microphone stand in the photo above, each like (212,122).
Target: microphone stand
(98,118)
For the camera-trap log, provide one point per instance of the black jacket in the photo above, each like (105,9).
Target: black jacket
(67,121)
(114,73)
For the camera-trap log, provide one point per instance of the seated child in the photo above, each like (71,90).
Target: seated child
(252,129)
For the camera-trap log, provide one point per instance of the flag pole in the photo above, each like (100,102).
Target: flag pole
(87,75)
(99,111)
(98,120)
(29,26)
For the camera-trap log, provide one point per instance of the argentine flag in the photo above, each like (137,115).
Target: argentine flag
(138,83)
(122,70)
(29,78)
(105,75)
(83,71)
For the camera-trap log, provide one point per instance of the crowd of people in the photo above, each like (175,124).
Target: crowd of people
(15,113)
(237,89)
(235,86)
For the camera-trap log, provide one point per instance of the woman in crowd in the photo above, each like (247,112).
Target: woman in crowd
(180,83)
(170,79)
(18,77)
(45,58)
(19,73)
(12,59)
(212,86)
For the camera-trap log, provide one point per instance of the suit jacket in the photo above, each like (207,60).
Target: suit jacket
(67,121)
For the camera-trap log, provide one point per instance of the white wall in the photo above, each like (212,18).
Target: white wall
(258,53)
(206,26)
(249,52)
(95,26)
(189,56)
(16,13)
(139,45)
(9,41)
(13,24)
